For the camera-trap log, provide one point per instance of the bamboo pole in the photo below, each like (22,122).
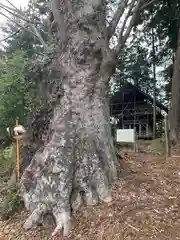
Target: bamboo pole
(17,155)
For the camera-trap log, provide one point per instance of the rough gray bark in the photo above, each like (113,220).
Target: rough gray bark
(79,161)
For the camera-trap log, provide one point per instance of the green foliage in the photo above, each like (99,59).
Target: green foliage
(24,40)
(15,100)
(24,68)
(135,67)
(166,20)
(23,85)
(7,160)
(12,203)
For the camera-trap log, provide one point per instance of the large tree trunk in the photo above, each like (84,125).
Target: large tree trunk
(79,161)
(175,102)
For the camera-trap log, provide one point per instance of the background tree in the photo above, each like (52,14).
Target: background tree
(166,21)
(20,77)
(135,66)
(175,109)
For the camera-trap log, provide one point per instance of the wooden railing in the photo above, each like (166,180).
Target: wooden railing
(144,134)
(137,108)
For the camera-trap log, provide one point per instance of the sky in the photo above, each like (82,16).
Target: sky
(17,3)
(20,2)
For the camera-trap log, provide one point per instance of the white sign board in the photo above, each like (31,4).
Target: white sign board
(125,135)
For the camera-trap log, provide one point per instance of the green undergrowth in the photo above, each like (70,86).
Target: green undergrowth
(11,203)
(7,161)
(157,146)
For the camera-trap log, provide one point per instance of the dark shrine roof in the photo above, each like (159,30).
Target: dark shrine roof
(129,89)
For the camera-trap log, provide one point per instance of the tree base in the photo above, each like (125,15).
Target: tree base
(63,220)
(74,167)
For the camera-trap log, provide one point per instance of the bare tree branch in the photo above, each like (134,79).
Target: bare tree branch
(115,20)
(38,35)
(114,33)
(126,18)
(6,16)
(58,13)
(123,39)
(13,12)
(10,36)
(19,14)
(111,29)
(24,27)
(10,3)
(147,5)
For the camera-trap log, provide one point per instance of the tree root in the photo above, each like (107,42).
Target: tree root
(63,221)
(35,216)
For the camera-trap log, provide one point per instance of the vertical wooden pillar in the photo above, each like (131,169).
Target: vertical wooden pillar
(139,129)
(147,129)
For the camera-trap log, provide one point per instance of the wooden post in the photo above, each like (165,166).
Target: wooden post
(122,116)
(147,130)
(167,137)
(17,155)
(135,138)
(140,130)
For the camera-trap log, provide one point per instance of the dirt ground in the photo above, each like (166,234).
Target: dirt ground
(146,205)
